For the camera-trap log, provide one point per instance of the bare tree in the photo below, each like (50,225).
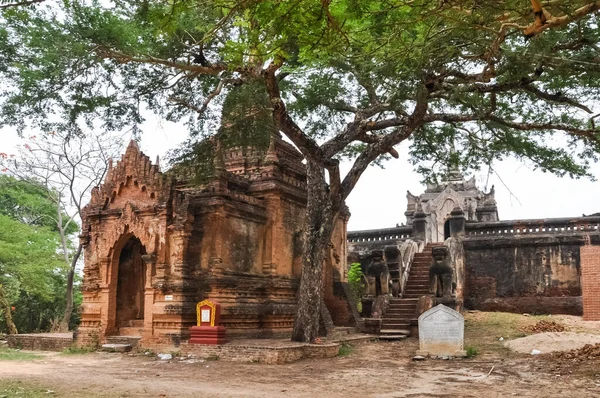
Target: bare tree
(69,166)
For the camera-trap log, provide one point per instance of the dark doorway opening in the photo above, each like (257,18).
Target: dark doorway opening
(131,283)
(446,229)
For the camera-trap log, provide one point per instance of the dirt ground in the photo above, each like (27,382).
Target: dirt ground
(374,369)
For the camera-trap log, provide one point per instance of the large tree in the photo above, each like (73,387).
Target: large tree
(343,78)
(32,276)
(65,168)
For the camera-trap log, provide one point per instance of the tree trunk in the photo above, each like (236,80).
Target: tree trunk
(12,329)
(320,216)
(70,277)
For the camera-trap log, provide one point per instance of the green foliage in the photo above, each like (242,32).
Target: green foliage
(356,282)
(471,351)
(17,388)
(246,124)
(29,203)
(74,350)
(32,272)
(9,354)
(345,350)
(339,60)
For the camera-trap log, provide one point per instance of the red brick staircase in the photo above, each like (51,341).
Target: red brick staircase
(395,324)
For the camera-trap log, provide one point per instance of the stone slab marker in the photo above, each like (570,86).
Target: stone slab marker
(441,332)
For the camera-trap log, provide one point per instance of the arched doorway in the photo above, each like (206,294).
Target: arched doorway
(131,281)
(446,229)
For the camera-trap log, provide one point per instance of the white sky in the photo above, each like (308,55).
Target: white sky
(379,199)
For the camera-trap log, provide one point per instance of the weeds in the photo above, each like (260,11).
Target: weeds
(9,354)
(472,351)
(345,350)
(74,350)
(12,388)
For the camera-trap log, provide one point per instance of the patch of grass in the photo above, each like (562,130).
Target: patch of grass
(9,354)
(213,357)
(484,330)
(12,388)
(74,350)
(345,350)
(472,351)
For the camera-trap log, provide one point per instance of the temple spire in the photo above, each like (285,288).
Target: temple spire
(219,161)
(271,156)
(453,173)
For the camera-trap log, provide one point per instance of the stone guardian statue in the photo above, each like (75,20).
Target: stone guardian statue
(441,273)
(378,275)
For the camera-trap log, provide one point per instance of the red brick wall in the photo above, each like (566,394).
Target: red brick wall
(590,282)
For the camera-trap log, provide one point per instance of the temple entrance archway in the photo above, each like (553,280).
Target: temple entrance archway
(131,281)
(446,229)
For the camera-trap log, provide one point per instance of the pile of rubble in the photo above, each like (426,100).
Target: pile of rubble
(588,352)
(543,327)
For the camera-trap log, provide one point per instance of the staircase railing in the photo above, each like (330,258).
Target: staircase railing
(408,249)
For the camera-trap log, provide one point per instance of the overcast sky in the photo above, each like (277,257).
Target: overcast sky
(379,199)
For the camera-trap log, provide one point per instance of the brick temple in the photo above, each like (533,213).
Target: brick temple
(155,246)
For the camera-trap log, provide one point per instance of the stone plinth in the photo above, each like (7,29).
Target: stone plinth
(208,330)
(441,332)
(207,335)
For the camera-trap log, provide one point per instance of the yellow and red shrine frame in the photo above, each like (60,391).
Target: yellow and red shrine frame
(213,312)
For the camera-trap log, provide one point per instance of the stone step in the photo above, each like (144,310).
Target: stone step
(388,316)
(415,295)
(398,312)
(396,321)
(385,331)
(395,325)
(417,285)
(116,347)
(399,307)
(402,300)
(393,336)
(394,317)
(124,340)
(134,331)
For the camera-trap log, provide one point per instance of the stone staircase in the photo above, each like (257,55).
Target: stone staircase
(129,335)
(133,328)
(396,321)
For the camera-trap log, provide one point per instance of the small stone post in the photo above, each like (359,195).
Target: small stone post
(419,226)
(457,223)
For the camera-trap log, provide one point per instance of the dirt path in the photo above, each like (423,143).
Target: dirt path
(372,370)
(376,369)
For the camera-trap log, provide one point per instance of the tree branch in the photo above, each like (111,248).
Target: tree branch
(284,122)
(555,98)
(123,58)
(20,4)
(387,142)
(544,20)
(591,134)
